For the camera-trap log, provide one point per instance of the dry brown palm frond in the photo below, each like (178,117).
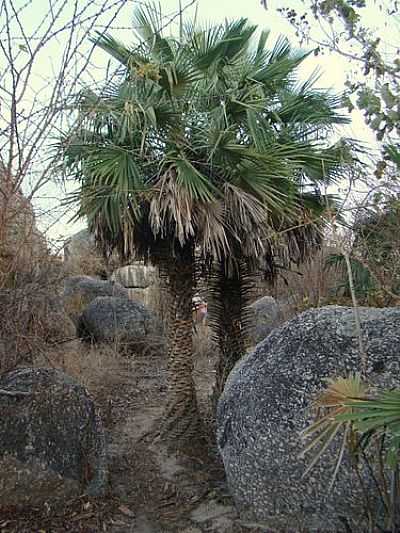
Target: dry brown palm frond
(246,220)
(212,236)
(172,209)
(243,210)
(289,245)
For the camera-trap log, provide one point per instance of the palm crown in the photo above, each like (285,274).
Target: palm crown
(208,138)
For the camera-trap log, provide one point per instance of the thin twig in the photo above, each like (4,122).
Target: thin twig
(14,393)
(356,312)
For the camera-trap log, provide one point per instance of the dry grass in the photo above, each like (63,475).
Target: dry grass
(96,367)
(307,286)
(152,346)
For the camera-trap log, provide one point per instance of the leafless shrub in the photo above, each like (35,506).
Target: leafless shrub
(312,284)
(46,58)
(87,263)
(32,317)
(44,54)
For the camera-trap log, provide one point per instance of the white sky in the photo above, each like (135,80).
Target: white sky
(334,69)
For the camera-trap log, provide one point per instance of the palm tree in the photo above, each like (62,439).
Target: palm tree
(186,153)
(276,161)
(231,290)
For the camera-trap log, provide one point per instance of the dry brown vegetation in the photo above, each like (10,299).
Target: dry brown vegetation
(151,489)
(32,321)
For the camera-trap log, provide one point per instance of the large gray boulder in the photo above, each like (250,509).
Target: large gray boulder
(90,288)
(109,319)
(80,291)
(265,405)
(265,315)
(52,445)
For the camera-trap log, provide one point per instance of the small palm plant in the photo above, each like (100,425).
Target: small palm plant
(338,400)
(380,415)
(378,421)
(346,410)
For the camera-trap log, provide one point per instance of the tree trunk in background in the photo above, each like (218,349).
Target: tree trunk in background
(181,420)
(230,295)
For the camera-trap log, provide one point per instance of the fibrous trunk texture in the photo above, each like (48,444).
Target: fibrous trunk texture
(230,296)
(181,421)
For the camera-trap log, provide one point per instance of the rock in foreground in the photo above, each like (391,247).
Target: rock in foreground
(52,445)
(265,405)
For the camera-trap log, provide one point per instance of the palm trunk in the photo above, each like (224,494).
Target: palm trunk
(230,294)
(181,421)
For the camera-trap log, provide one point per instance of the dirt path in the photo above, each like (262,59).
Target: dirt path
(164,492)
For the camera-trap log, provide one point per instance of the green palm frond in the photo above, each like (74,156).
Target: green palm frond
(312,106)
(282,49)
(147,24)
(219,45)
(129,57)
(380,415)
(197,185)
(279,69)
(260,54)
(331,422)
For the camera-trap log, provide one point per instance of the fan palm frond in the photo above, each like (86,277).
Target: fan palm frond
(331,423)
(380,415)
